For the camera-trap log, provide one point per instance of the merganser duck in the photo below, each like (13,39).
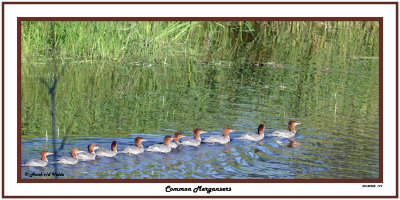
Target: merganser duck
(38,163)
(254,136)
(164,148)
(285,133)
(196,141)
(90,155)
(175,143)
(223,139)
(107,153)
(135,149)
(68,160)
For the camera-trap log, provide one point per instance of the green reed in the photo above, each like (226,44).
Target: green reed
(156,41)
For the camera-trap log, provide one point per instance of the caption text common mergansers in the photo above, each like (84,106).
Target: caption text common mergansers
(197,189)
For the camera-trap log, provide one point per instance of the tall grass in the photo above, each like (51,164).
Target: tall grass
(155,42)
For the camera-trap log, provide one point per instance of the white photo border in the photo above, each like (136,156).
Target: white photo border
(13,11)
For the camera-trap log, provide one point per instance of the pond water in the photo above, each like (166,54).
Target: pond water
(322,74)
(267,159)
(339,132)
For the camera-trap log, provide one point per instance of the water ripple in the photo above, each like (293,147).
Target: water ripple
(319,156)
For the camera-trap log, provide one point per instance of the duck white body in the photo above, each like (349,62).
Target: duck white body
(196,141)
(90,155)
(283,134)
(138,149)
(163,148)
(254,136)
(108,153)
(70,160)
(222,139)
(191,142)
(38,163)
(159,148)
(67,160)
(218,139)
(286,133)
(133,150)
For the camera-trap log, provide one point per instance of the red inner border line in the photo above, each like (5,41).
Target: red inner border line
(19,176)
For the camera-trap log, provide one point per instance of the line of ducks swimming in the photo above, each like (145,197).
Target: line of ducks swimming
(167,146)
